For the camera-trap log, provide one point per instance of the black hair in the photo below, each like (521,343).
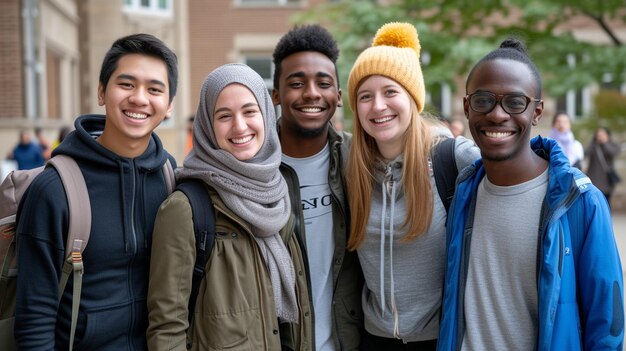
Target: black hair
(65,130)
(557,114)
(511,49)
(310,37)
(606,130)
(142,44)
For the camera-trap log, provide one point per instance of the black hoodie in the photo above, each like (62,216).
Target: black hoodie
(125,195)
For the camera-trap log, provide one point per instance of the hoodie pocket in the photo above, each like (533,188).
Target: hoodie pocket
(107,328)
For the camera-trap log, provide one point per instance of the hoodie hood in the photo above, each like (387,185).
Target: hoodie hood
(81,145)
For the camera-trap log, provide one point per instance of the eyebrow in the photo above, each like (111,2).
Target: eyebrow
(301,74)
(133,78)
(387,86)
(249,104)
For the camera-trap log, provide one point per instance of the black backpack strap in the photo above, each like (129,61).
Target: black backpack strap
(204,231)
(445,170)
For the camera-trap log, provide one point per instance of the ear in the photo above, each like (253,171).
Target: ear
(339,96)
(100,95)
(537,113)
(275,97)
(168,113)
(466,107)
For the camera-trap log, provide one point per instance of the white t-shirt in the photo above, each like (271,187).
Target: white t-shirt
(318,228)
(501,292)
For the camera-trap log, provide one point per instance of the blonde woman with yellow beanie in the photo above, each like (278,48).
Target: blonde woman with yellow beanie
(397,218)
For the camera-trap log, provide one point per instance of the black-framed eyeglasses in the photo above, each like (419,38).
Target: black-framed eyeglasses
(485,102)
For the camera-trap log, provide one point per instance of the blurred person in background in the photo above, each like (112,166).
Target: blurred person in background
(62,134)
(44,144)
(601,152)
(27,153)
(457,127)
(189,138)
(561,132)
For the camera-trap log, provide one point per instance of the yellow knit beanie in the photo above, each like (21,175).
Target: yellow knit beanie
(394,54)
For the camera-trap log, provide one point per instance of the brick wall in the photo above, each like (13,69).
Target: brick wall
(11,72)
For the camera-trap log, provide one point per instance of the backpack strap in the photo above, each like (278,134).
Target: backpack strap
(204,232)
(445,170)
(168,173)
(79,230)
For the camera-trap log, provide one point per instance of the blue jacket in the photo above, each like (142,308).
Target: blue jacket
(125,195)
(579,274)
(28,156)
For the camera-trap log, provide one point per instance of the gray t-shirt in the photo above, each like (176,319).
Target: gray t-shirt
(318,228)
(501,291)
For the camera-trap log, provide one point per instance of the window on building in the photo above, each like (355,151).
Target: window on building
(576,102)
(267,2)
(151,7)
(440,101)
(53,84)
(264,66)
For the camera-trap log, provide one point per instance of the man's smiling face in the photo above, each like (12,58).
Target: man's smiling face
(308,93)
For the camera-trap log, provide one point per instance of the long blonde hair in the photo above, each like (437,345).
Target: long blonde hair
(415,179)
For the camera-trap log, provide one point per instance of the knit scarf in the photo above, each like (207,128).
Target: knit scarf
(253,189)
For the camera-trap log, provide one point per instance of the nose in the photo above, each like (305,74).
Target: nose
(497,114)
(239,123)
(139,97)
(311,92)
(379,103)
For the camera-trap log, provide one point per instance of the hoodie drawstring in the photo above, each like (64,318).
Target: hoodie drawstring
(388,188)
(382,249)
(392,281)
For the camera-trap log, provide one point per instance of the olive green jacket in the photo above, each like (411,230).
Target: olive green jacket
(347,275)
(235,304)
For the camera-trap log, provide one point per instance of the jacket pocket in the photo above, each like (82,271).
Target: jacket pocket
(567,329)
(227,332)
(352,308)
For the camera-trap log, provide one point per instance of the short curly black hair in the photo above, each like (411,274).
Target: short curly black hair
(311,37)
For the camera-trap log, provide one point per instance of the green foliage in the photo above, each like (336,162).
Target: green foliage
(610,112)
(457,33)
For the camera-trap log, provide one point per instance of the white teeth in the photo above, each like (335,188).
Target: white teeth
(136,115)
(311,109)
(498,134)
(383,120)
(242,140)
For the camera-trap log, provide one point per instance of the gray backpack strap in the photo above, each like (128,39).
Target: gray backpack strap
(78,232)
(170,179)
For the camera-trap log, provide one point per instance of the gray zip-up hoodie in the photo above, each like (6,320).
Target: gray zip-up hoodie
(404,280)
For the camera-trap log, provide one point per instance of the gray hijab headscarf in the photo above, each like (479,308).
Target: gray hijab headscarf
(253,189)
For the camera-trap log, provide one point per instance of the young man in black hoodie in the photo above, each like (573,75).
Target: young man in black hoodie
(121,160)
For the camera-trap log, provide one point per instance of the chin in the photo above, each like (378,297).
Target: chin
(311,132)
(496,157)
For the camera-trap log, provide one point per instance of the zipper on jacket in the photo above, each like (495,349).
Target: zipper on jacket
(132,206)
(296,202)
(466,240)
(134,244)
(242,225)
(563,206)
(335,151)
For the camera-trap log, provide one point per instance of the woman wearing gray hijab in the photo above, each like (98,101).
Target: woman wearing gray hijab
(254,295)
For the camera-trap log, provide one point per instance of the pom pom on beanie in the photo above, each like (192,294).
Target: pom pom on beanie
(394,54)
